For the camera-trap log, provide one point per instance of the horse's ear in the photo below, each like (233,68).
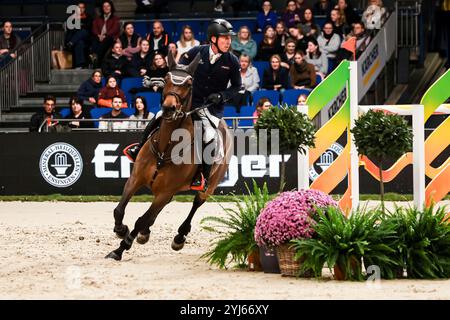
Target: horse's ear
(194,64)
(171,61)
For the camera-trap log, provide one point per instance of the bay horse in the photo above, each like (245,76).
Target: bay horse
(154,169)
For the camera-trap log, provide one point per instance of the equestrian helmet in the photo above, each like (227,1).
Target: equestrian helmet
(220,27)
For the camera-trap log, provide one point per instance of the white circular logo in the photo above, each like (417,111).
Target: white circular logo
(325,160)
(61,165)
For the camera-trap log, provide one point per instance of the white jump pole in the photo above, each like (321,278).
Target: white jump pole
(354,159)
(303,160)
(418,156)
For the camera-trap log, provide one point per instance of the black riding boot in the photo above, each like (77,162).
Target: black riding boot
(200,181)
(133,151)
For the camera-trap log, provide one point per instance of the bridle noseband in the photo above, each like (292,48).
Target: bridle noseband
(178,112)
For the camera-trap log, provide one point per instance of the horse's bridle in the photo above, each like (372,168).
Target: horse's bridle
(181,101)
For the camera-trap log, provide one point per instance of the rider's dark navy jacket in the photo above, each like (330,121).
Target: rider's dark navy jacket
(213,78)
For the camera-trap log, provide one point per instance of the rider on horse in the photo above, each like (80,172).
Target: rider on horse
(218,67)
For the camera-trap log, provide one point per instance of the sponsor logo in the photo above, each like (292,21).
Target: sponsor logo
(325,160)
(61,165)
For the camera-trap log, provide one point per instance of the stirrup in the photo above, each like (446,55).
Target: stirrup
(199,184)
(127,153)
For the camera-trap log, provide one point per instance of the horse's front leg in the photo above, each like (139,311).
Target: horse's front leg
(142,224)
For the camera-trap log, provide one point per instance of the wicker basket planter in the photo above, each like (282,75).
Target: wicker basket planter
(288,265)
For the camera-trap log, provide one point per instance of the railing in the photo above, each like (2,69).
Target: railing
(31,65)
(409,26)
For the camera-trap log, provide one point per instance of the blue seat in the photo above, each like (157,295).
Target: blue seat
(246,111)
(250,23)
(290,96)
(64,112)
(96,113)
(128,111)
(272,95)
(261,66)
(258,37)
(141,28)
(230,111)
(318,79)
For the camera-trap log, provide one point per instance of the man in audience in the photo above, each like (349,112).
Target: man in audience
(115,64)
(9,42)
(116,113)
(159,39)
(47,113)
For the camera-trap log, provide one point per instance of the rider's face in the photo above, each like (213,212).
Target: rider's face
(223,43)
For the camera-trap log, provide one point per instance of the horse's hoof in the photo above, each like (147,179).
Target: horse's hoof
(142,238)
(178,242)
(122,231)
(113,255)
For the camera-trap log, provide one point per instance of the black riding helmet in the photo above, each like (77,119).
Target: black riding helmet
(219,27)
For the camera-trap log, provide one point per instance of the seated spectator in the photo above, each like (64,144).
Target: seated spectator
(154,80)
(309,28)
(292,16)
(116,113)
(262,105)
(105,30)
(187,41)
(244,44)
(47,113)
(141,61)
(346,10)
(159,39)
(282,33)
(174,49)
(373,15)
(266,17)
(269,45)
(297,34)
(77,112)
(287,57)
(78,40)
(130,40)
(250,82)
(9,43)
(111,90)
(302,74)
(360,35)
(329,41)
(301,6)
(318,59)
(140,104)
(276,77)
(339,25)
(324,7)
(301,100)
(90,89)
(115,64)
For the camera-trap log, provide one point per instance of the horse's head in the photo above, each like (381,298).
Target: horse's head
(177,92)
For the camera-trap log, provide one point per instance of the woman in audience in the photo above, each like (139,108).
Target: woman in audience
(287,57)
(302,74)
(250,82)
(266,17)
(262,105)
(350,16)
(338,21)
(329,41)
(172,48)
(373,15)
(276,77)
(282,33)
(141,61)
(244,44)
(269,45)
(141,113)
(77,112)
(90,89)
(130,41)
(297,34)
(105,31)
(317,58)
(187,41)
(301,100)
(309,28)
(106,95)
(154,79)
(292,16)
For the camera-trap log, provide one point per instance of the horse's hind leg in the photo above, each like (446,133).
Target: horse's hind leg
(131,186)
(142,224)
(185,228)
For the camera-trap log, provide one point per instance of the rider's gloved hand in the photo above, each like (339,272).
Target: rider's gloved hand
(215,98)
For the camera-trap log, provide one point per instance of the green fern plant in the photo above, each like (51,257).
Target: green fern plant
(235,238)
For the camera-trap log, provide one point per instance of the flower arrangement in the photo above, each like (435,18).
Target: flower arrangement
(290,216)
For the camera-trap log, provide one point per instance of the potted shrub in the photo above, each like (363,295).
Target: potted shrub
(296,132)
(341,243)
(289,216)
(379,136)
(235,240)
